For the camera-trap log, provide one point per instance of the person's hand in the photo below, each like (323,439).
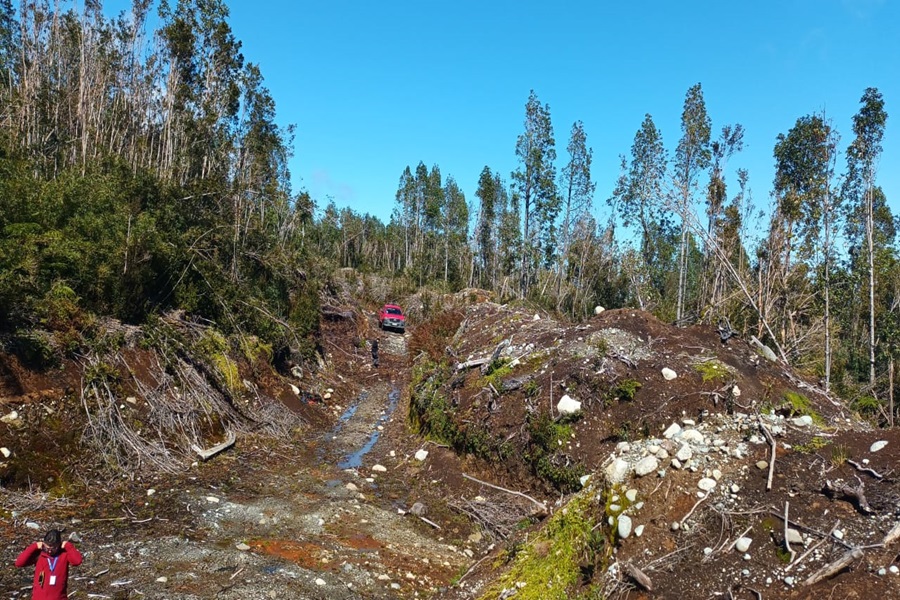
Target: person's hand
(40,545)
(64,543)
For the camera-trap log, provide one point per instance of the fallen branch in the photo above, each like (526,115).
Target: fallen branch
(690,512)
(540,505)
(856,493)
(892,535)
(432,523)
(774,447)
(787,541)
(210,452)
(472,363)
(863,469)
(812,548)
(834,567)
(639,576)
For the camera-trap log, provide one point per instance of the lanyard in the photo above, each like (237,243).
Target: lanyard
(52,562)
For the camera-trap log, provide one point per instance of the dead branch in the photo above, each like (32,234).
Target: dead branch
(892,535)
(863,469)
(477,362)
(774,447)
(834,567)
(210,452)
(540,505)
(696,504)
(639,576)
(812,548)
(432,523)
(787,541)
(856,493)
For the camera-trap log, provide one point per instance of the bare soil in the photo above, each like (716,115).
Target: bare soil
(328,513)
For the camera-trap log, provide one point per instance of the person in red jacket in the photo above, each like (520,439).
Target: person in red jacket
(51,572)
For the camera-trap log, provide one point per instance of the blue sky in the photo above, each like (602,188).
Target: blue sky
(375,86)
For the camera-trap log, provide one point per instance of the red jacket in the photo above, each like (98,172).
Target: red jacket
(50,584)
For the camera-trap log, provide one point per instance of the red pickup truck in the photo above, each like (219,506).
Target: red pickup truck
(391,316)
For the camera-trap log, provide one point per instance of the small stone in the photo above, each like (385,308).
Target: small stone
(707,551)
(706,484)
(789,580)
(638,531)
(131,400)
(598,309)
(584,479)
(673,430)
(242,547)
(668,374)
(418,509)
(735,488)
(882,571)
(615,508)
(5,451)
(716,474)
(624,526)
(379,468)
(421,454)
(653,448)
(631,495)
(617,471)
(326,396)
(151,491)
(802,421)
(212,500)
(692,435)
(320,581)
(838,534)
(162,579)
(745,573)
(351,486)
(623,447)
(9,417)
(32,525)
(794,536)
(736,391)
(675,526)
(878,446)
(676,464)
(684,453)
(893,569)
(568,405)
(762,465)
(646,465)
(742,544)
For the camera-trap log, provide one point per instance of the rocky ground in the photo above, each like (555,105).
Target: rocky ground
(354,505)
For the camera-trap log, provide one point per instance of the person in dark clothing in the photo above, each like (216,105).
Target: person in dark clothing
(375,352)
(51,559)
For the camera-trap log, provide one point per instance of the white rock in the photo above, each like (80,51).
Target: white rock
(242,547)
(688,422)
(803,421)
(676,464)
(707,551)
(616,471)
(294,389)
(794,536)
(653,448)
(320,581)
(692,435)
(716,474)
(789,580)
(624,526)
(743,544)
(598,309)
(631,495)
(568,406)
(151,491)
(684,453)
(32,525)
(623,447)
(668,374)
(638,531)
(326,396)
(877,446)
(736,391)
(735,488)
(351,486)
(882,571)
(646,465)
(212,500)
(9,417)
(675,526)
(379,468)
(584,479)
(161,579)
(893,568)
(421,454)
(5,451)
(838,534)
(537,317)
(673,430)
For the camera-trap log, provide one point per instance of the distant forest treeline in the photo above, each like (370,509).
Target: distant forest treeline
(145,172)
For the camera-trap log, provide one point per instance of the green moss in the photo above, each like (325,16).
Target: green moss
(800,405)
(254,349)
(546,437)
(626,390)
(713,370)
(548,567)
(213,346)
(812,446)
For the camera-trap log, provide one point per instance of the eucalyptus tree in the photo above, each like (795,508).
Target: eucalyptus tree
(692,156)
(803,172)
(638,200)
(859,185)
(578,192)
(535,183)
(455,217)
(486,227)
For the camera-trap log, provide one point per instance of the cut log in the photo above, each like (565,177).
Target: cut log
(835,567)
(210,452)
(639,576)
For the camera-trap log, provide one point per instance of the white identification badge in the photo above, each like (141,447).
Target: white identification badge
(53,580)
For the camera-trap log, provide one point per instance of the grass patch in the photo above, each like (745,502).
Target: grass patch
(546,437)
(625,390)
(713,370)
(801,405)
(550,565)
(812,446)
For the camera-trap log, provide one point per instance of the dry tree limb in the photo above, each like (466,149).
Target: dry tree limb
(812,548)
(774,447)
(696,504)
(787,541)
(863,469)
(210,452)
(639,576)
(892,535)
(856,493)
(732,544)
(540,505)
(834,567)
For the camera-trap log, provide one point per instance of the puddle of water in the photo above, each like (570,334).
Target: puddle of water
(354,459)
